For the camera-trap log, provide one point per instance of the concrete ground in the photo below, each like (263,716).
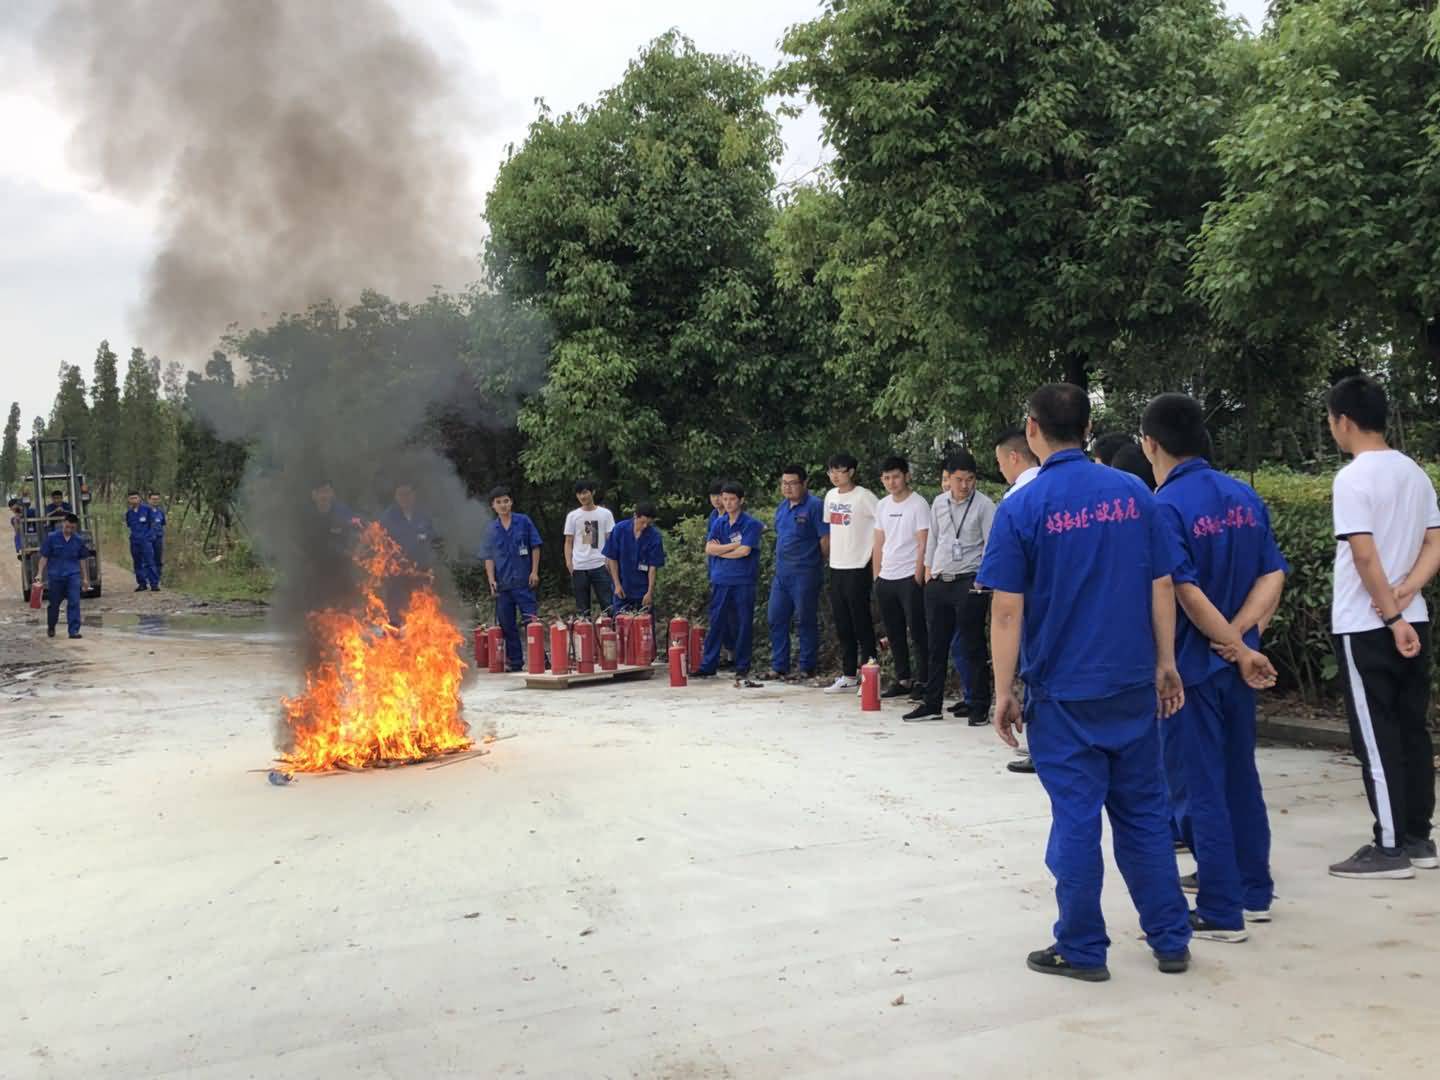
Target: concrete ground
(641,883)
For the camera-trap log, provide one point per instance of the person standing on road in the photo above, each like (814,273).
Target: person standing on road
(414,533)
(1080,568)
(802,543)
(1387,526)
(734,541)
(17,523)
(142,543)
(158,521)
(587,532)
(634,552)
(512,565)
(902,530)
(717,511)
(64,562)
(1228,582)
(1018,465)
(960,521)
(850,514)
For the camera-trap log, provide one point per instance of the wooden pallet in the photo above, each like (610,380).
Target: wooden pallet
(562,682)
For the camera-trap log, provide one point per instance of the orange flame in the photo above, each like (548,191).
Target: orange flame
(378,693)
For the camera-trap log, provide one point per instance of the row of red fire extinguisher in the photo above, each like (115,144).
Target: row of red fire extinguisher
(582,646)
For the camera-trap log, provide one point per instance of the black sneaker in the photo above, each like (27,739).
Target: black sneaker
(960,708)
(979,715)
(895,690)
(142,588)
(1024,764)
(1200,928)
(917,692)
(924,712)
(74,637)
(1422,854)
(702,674)
(1374,862)
(1190,883)
(50,631)
(1050,962)
(154,588)
(1173,963)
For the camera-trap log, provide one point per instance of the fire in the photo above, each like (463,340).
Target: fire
(379,694)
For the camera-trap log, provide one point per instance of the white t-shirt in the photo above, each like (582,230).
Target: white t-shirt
(590,529)
(1385,494)
(851,517)
(902,523)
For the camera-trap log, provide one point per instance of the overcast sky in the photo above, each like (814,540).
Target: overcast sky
(73,257)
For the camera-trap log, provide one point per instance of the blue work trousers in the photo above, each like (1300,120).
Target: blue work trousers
(64,587)
(732,618)
(159,546)
(795,596)
(510,606)
(1212,742)
(1106,753)
(142,554)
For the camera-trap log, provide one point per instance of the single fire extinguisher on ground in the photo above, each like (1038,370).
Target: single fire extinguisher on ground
(482,648)
(870,686)
(609,649)
(585,647)
(697,647)
(680,631)
(624,632)
(677,665)
(495,648)
(535,648)
(559,649)
(644,639)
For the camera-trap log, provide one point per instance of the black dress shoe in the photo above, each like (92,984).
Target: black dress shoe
(960,708)
(142,588)
(74,637)
(1023,764)
(924,712)
(698,674)
(895,690)
(50,631)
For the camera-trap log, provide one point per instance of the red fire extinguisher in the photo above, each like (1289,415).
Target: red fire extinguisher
(535,648)
(870,686)
(645,639)
(680,631)
(559,649)
(585,647)
(697,647)
(609,649)
(37,590)
(624,623)
(482,648)
(496,649)
(677,665)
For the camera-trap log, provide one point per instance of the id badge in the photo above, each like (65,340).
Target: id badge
(956,550)
(644,568)
(523,549)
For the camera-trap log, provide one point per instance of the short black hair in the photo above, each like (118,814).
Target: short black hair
(132,492)
(57,491)
(1106,446)
(1362,399)
(1130,458)
(585,484)
(74,519)
(645,509)
(732,487)
(717,487)
(499,491)
(842,460)
(1062,412)
(795,470)
(157,495)
(1177,423)
(961,461)
(895,463)
(14,502)
(1014,439)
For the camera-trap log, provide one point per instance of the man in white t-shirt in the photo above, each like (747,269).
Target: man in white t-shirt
(586,529)
(1018,465)
(1387,525)
(902,529)
(850,513)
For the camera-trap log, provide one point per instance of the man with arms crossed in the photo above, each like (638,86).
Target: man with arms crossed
(1388,530)
(1080,566)
(850,513)
(902,529)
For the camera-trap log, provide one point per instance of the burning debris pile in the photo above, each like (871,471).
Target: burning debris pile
(378,693)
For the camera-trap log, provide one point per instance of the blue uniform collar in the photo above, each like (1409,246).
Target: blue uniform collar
(1185,468)
(1063,457)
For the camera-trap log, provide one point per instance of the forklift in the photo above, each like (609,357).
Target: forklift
(56,468)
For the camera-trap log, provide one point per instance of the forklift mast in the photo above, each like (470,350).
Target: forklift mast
(56,468)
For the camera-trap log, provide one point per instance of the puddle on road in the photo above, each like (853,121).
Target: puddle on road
(254,628)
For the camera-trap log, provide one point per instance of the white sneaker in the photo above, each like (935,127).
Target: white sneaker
(842,683)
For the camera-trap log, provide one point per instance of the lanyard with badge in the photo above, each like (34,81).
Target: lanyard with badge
(957,548)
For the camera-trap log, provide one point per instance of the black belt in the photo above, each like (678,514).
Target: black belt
(953,577)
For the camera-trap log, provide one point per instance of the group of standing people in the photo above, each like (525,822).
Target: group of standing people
(146,519)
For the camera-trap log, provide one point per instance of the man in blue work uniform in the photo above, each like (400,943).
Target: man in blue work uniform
(1228,586)
(717,511)
(634,551)
(55,510)
(64,569)
(142,546)
(1078,559)
(414,532)
(734,543)
(512,563)
(158,518)
(802,545)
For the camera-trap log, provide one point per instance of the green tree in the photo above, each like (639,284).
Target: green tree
(1332,183)
(1017,183)
(638,226)
(103,451)
(141,424)
(10,451)
(70,415)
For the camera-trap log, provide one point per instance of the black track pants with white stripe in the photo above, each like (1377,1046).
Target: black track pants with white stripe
(1388,699)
